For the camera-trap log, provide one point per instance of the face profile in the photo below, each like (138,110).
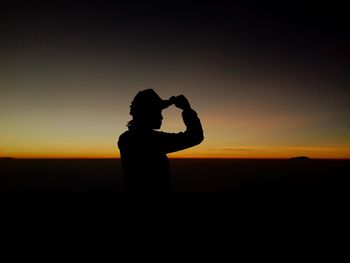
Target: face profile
(146,110)
(143,149)
(157,120)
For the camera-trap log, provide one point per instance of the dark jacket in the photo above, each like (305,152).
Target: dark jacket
(143,155)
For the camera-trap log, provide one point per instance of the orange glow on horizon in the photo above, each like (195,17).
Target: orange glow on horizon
(227,153)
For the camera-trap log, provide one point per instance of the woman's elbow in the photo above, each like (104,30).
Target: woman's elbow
(194,138)
(199,139)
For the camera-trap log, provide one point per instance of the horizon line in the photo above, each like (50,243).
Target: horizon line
(118,158)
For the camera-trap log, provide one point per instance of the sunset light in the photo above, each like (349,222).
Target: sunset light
(261,90)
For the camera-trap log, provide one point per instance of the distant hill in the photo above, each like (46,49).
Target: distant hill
(300,158)
(6,158)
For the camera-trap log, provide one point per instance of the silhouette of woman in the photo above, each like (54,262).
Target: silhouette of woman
(143,150)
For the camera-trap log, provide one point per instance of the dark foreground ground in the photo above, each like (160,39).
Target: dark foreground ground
(238,180)
(221,194)
(271,205)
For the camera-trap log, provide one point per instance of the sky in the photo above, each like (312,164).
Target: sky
(268,80)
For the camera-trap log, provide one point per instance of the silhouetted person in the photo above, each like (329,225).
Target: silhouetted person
(143,150)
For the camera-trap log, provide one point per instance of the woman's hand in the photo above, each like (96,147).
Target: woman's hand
(180,102)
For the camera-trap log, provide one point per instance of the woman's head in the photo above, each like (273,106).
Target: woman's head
(146,109)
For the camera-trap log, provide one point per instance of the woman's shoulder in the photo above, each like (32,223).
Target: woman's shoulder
(124,138)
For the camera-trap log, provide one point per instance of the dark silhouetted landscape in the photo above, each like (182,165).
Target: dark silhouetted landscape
(209,196)
(231,181)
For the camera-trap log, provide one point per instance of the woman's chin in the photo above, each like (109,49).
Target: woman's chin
(157,127)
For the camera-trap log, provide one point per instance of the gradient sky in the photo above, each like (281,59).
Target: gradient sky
(267,80)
